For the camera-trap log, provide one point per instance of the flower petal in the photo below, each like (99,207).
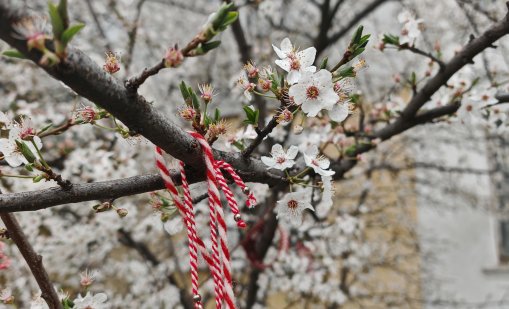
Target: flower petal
(307,57)
(339,112)
(286,46)
(292,152)
(270,162)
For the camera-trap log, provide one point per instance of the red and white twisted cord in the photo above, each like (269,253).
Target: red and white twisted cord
(223,255)
(188,217)
(219,261)
(251,200)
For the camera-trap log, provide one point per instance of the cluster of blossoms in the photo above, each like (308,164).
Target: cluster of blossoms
(22,144)
(411,29)
(292,205)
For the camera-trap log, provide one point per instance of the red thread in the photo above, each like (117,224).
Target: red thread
(219,261)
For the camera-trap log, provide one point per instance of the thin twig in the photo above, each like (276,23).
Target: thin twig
(33,260)
(418,51)
(135,82)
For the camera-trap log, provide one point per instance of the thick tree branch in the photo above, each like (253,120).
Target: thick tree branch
(87,79)
(464,57)
(111,189)
(33,260)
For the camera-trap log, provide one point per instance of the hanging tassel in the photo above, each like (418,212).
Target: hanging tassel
(219,262)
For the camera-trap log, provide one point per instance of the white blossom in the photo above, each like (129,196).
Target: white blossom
(411,28)
(91,301)
(314,92)
(291,206)
(317,162)
(295,62)
(280,159)
(38,303)
(20,133)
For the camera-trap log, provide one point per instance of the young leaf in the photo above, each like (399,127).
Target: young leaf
(217,115)
(45,128)
(206,47)
(62,11)
(56,21)
(196,102)
(357,36)
(249,112)
(13,54)
(25,151)
(323,65)
(70,32)
(231,17)
(184,91)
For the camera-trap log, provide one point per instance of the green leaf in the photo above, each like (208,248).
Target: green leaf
(70,32)
(413,78)
(56,21)
(357,52)
(208,46)
(347,72)
(257,116)
(45,128)
(357,36)
(206,120)
(184,91)
(221,15)
(62,11)
(249,112)
(323,65)
(231,17)
(217,115)
(350,151)
(29,167)
(37,178)
(25,151)
(390,39)
(196,102)
(13,54)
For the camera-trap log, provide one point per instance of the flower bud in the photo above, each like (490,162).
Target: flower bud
(173,57)
(122,212)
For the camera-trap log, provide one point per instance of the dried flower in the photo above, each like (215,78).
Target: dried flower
(187,113)
(112,64)
(87,278)
(218,128)
(251,70)
(284,117)
(33,30)
(207,92)
(86,114)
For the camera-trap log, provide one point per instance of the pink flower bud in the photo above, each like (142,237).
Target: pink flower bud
(173,57)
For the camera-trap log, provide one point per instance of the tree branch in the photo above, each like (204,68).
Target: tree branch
(330,40)
(465,56)
(33,260)
(86,78)
(416,50)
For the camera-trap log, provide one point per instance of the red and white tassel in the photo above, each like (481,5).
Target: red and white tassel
(219,261)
